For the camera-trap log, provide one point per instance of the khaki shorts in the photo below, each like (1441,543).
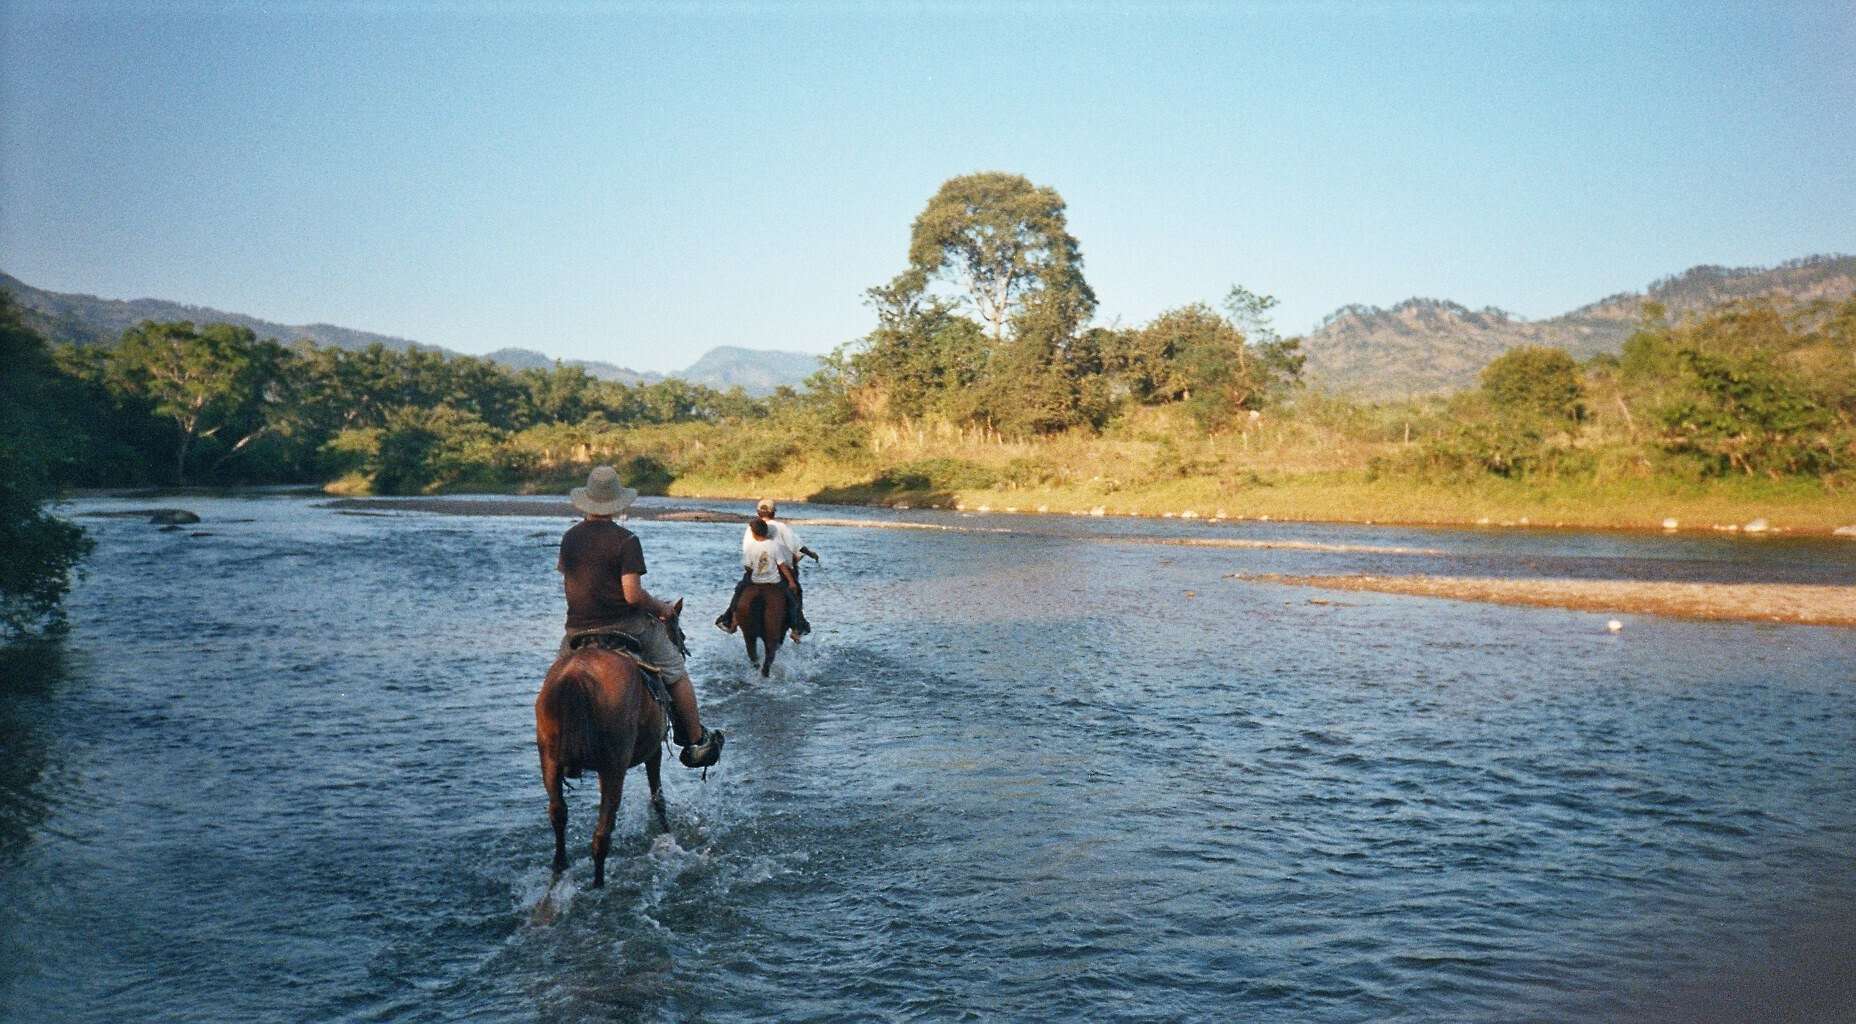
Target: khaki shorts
(652,637)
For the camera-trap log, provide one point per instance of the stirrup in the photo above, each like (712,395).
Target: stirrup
(704,753)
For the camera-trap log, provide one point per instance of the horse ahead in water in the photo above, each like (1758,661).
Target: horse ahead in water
(760,611)
(595,713)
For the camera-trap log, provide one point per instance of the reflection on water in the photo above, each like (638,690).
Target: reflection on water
(286,771)
(30,674)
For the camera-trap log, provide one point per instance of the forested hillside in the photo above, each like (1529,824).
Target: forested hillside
(64,318)
(74,319)
(1428,346)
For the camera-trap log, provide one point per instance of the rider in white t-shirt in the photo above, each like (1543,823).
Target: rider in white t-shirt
(764,558)
(783,535)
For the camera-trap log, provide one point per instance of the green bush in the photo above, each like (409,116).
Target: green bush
(1535,381)
(1746,415)
(645,474)
(937,475)
(1507,446)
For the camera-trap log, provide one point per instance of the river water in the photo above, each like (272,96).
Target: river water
(1060,772)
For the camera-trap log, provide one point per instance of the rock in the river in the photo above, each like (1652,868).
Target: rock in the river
(172,517)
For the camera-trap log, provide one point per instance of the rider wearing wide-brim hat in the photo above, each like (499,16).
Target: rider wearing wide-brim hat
(602,568)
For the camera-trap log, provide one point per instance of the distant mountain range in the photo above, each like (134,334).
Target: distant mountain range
(1419,346)
(1423,346)
(89,320)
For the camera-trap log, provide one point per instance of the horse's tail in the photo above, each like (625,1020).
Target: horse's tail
(568,702)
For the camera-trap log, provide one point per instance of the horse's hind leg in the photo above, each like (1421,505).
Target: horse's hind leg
(611,785)
(773,626)
(652,773)
(557,810)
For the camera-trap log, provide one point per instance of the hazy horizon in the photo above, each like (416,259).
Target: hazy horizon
(639,185)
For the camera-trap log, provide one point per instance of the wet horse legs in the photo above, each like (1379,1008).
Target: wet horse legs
(611,786)
(557,812)
(652,768)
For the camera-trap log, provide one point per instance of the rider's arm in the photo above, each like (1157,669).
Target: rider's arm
(637,597)
(794,545)
(786,573)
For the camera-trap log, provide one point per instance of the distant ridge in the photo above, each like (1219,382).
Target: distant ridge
(1423,346)
(529,359)
(89,320)
(1419,346)
(757,371)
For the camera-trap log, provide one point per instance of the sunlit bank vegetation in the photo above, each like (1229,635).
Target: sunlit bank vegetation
(984,380)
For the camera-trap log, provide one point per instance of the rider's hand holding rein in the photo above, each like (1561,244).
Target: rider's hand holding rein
(639,598)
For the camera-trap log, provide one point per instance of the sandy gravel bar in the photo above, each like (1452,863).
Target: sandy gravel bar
(1802,604)
(1278,545)
(505,507)
(1117,538)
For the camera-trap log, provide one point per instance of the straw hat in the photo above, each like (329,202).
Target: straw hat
(603,495)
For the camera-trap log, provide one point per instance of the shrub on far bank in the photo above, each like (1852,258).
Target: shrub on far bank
(1535,381)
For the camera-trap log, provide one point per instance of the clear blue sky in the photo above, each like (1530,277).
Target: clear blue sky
(640,183)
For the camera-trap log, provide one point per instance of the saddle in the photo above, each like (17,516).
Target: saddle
(609,638)
(616,640)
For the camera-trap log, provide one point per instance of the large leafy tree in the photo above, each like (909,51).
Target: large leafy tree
(996,246)
(215,380)
(37,550)
(1000,239)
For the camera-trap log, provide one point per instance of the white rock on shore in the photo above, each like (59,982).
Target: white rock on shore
(1756,526)
(1844,531)
(1671,524)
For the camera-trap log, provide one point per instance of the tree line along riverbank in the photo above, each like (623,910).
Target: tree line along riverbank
(985,382)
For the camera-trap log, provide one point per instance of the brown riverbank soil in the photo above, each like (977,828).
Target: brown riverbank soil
(1802,604)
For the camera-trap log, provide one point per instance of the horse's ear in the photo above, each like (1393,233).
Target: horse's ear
(676,609)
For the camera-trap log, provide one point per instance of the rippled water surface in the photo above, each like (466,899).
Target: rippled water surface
(286,771)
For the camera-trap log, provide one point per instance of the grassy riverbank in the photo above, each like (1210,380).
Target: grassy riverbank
(1153,465)
(1350,498)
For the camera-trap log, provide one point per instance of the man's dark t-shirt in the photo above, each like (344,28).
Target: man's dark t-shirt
(594,554)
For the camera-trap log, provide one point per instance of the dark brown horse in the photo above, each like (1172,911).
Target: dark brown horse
(594,713)
(760,611)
